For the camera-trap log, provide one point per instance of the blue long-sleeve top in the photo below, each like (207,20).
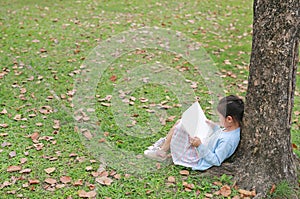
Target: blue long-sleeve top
(218,148)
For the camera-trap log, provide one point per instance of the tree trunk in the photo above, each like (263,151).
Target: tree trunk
(265,154)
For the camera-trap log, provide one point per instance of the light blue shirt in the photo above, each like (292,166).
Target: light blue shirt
(218,148)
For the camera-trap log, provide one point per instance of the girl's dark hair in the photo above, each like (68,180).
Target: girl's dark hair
(232,106)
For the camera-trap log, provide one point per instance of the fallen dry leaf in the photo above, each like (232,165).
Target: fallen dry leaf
(104,180)
(33,181)
(113,78)
(89,168)
(272,189)
(13,168)
(88,134)
(25,170)
(106,104)
(50,181)
(65,179)
(294,146)
(3,112)
(184,172)
(50,170)
(23,160)
(117,176)
(217,183)
(59,186)
(247,193)
(84,194)
(4,125)
(170,119)
(171,179)
(34,136)
(12,154)
(79,182)
(5,184)
(209,195)
(18,117)
(45,110)
(225,191)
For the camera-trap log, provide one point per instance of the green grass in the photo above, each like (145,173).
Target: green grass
(43,45)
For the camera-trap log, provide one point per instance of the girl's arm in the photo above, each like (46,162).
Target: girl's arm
(223,149)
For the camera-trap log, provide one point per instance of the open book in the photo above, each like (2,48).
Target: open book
(194,122)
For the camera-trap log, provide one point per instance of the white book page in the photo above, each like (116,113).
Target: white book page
(194,122)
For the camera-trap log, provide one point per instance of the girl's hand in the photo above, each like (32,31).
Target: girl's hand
(195,141)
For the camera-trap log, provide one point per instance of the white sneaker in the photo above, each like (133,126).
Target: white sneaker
(156,154)
(157,144)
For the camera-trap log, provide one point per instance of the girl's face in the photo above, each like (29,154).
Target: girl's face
(221,120)
(227,122)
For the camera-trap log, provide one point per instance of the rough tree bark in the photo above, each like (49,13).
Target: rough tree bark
(265,154)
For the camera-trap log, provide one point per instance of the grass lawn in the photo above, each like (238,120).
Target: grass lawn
(52,141)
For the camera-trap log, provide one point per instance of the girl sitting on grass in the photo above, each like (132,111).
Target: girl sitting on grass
(195,153)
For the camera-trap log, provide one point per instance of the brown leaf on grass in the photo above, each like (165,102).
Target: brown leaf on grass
(143,100)
(104,180)
(4,125)
(56,125)
(25,170)
(5,184)
(170,119)
(113,78)
(73,155)
(84,194)
(50,181)
(23,160)
(117,176)
(218,183)
(78,182)
(148,192)
(34,136)
(294,146)
(23,90)
(65,179)
(59,186)
(46,110)
(50,170)
(39,124)
(227,62)
(188,186)
(43,50)
(184,172)
(13,168)
(12,154)
(88,134)
(3,134)
(3,112)
(225,191)
(33,181)
(106,104)
(91,186)
(106,134)
(247,193)
(158,165)
(38,146)
(89,168)
(273,188)
(18,117)
(171,179)
(209,195)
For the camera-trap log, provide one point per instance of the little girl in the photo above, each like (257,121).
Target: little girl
(203,154)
